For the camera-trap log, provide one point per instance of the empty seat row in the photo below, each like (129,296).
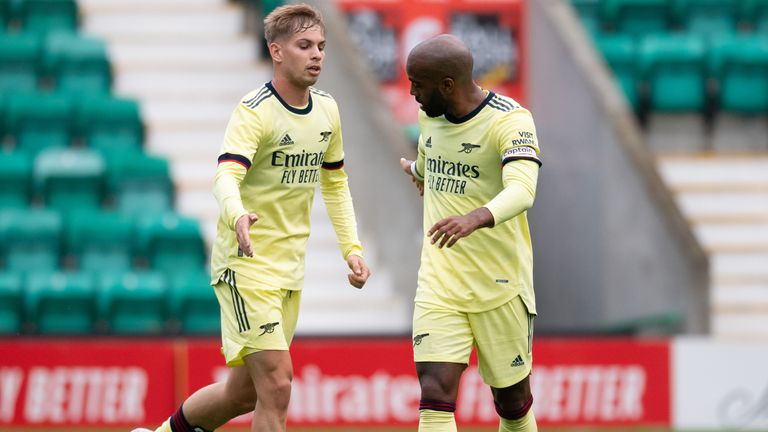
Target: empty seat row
(73,179)
(34,121)
(68,62)
(684,72)
(129,303)
(38,16)
(43,240)
(642,17)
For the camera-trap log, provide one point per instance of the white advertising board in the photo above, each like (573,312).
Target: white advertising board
(719,385)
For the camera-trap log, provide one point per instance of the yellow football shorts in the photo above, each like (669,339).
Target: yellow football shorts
(254,320)
(502,337)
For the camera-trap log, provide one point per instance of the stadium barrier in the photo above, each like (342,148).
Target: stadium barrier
(338,382)
(685,383)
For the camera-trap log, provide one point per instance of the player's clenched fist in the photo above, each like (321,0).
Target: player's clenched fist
(360,271)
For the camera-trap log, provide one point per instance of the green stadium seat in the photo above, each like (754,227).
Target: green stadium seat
(192,303)
(709,17)
(78,64)
(11,295)
(674,67)
(38,120)
(589,14)
(660,323)
(48,16)
(100,241)
(637,17)
(31,239)
(139,183)
(741,66)
(61,303)
(70,179)
(20,60)
(756,13)
(5,14)
(412,133)
(15,180)
(110,125)
(620,52)
(133,302)
(171,243)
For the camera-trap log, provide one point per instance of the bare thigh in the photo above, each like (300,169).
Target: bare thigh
(439,381)
(239,386)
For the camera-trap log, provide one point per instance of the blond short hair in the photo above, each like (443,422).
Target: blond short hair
(290,19)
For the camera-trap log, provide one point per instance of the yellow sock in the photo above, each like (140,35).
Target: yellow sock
(165,427)
(526,423)
(436,421)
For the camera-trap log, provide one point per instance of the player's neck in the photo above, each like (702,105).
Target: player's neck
(296,96)
(466,102)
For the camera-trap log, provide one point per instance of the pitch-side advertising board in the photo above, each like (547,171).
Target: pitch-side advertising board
(337,382)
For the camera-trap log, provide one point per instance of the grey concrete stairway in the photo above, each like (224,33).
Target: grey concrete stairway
(725,197)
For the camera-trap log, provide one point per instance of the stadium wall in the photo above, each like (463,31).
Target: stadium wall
(611,245)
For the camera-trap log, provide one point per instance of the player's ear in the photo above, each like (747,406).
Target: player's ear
(447,85)
(275,50)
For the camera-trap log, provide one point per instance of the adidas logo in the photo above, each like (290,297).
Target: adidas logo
(428,143)
(518,361)
(286,140)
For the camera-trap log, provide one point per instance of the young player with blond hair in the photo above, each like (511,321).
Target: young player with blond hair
(281,141)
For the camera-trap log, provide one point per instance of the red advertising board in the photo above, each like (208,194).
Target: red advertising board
(98,382)
(337,382)
(340,382)
(386,30)
(602,382)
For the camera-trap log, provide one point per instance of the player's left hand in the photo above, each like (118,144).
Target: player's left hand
(446,232)
(360,271)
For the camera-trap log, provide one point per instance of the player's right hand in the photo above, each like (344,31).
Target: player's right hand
(360,271)
(243,231)
(405,164)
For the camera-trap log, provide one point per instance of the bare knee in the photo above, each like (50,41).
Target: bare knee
(439,381)
(271,374)
(244,401)
(433,388)
(278,392)
(513,402)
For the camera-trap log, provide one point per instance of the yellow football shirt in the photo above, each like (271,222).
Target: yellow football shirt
(271,161)
(461,161)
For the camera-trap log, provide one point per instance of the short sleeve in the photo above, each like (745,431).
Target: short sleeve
(241,139)
(516,137)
